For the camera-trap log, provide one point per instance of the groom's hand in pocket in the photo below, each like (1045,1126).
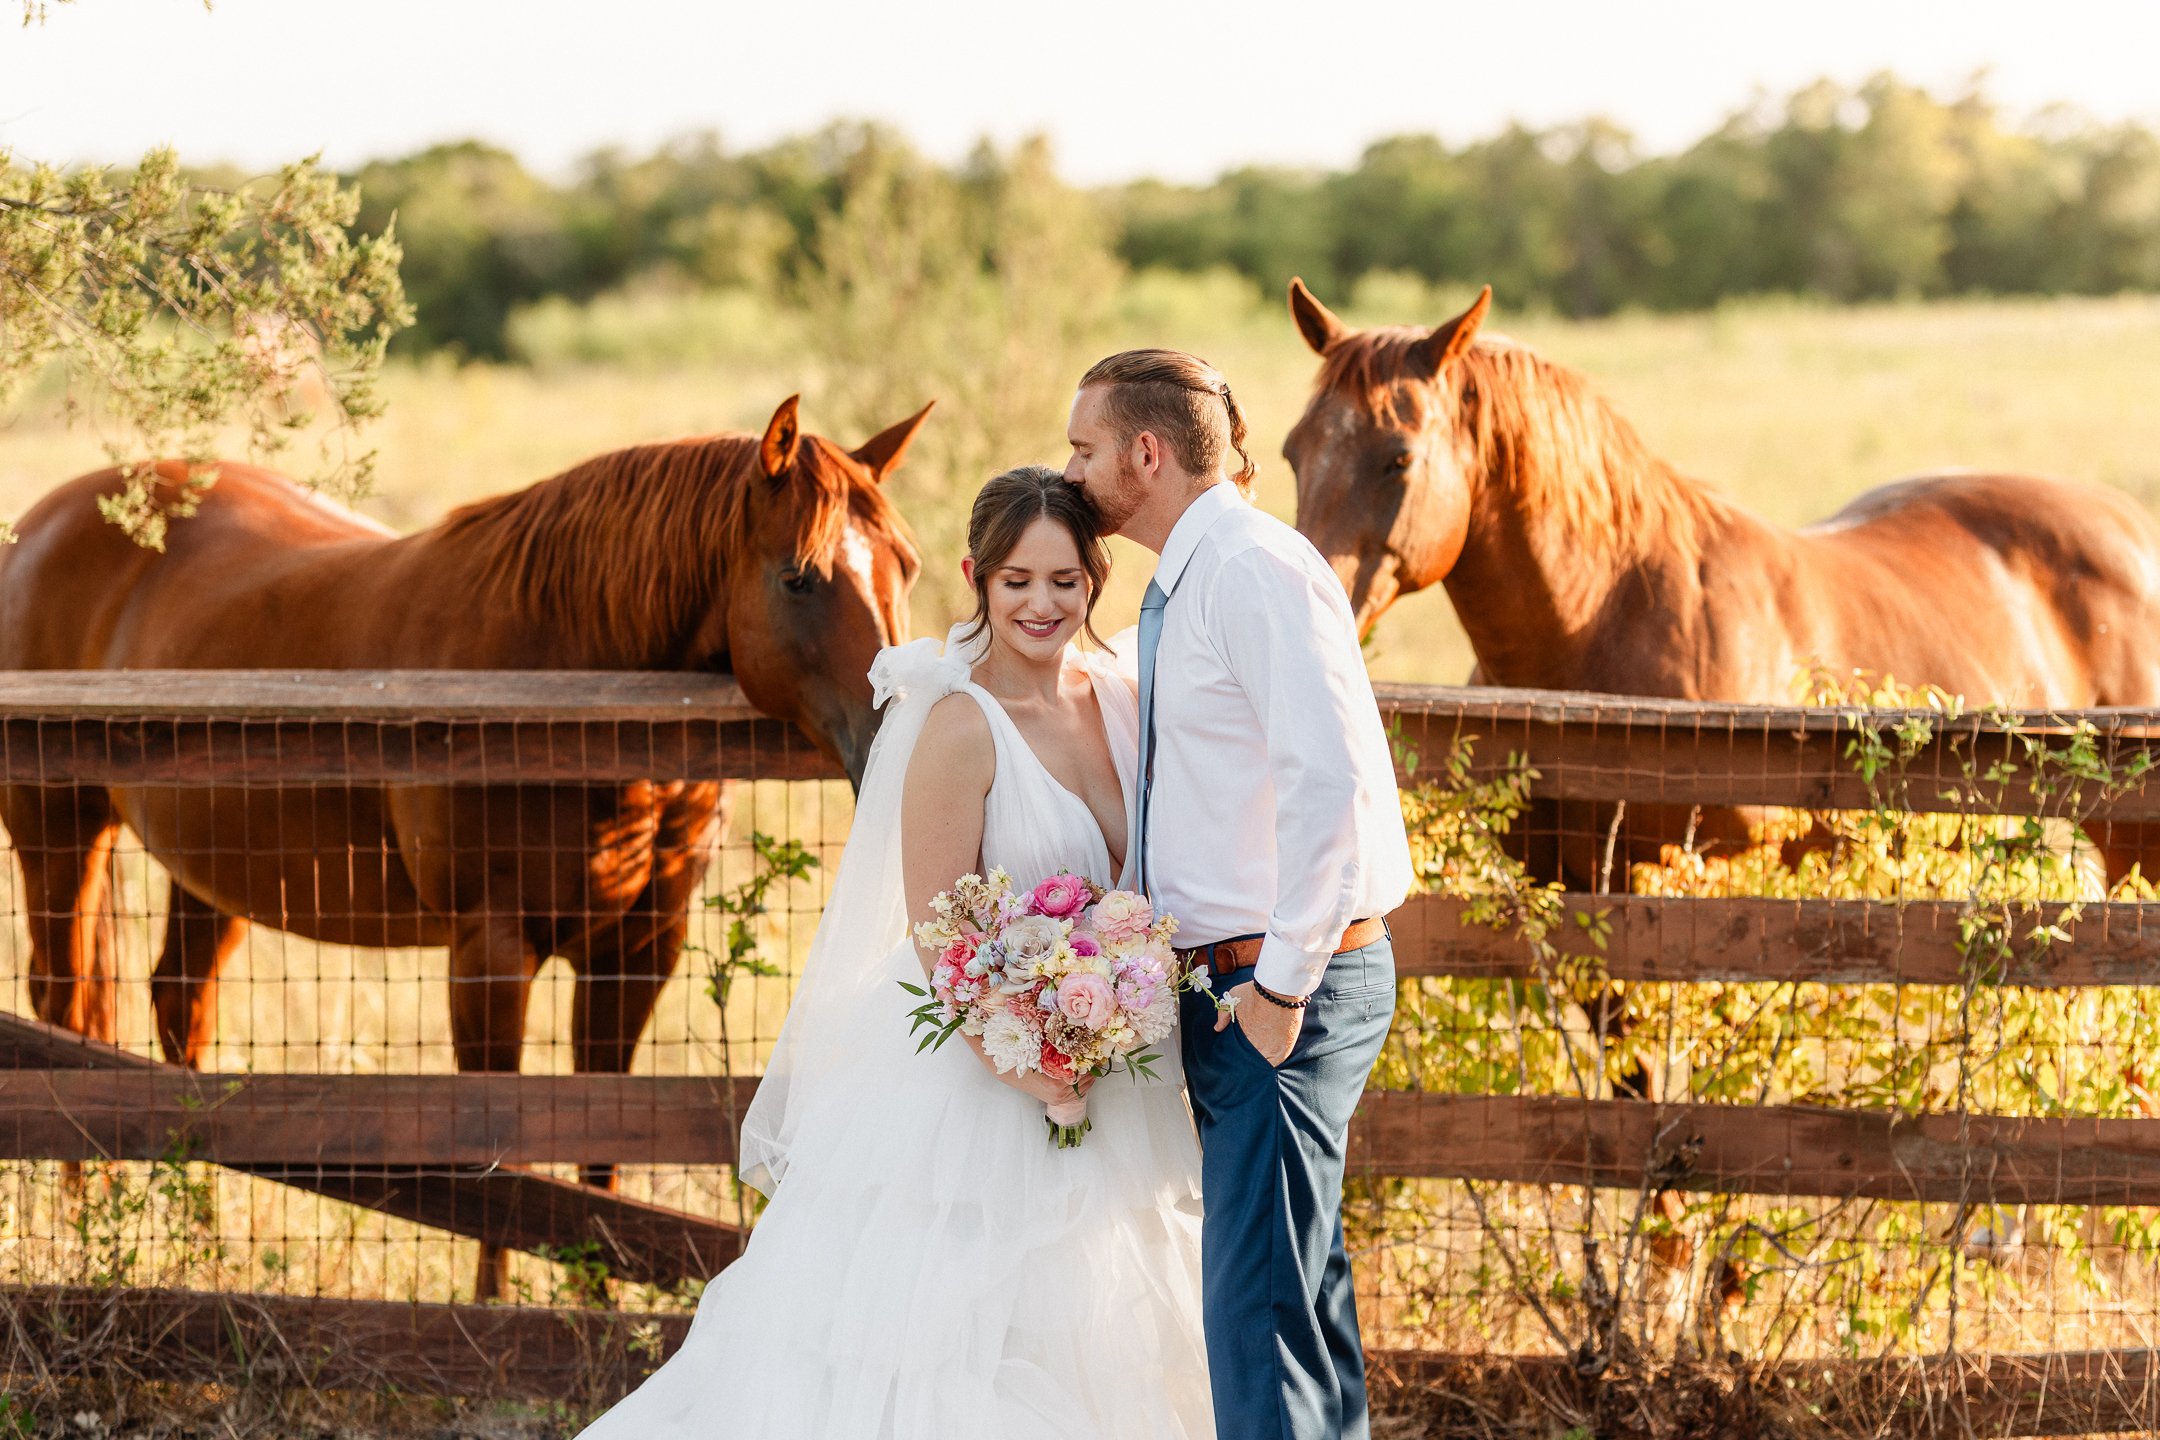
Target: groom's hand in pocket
(1272,1029)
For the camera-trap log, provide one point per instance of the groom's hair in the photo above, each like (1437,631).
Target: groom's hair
(1180,399)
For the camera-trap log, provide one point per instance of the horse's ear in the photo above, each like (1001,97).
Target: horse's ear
(882,451)
(1315,321)
(783,433)
(1433,353)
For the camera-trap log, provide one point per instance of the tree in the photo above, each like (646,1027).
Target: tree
(480,235)
(174,307)
(983,290)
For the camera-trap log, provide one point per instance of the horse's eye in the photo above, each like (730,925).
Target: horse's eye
(1400,463)
(796,580)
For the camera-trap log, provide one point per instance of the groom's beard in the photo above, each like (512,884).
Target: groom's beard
(1122,498)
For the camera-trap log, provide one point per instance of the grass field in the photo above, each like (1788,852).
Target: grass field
(1792,410)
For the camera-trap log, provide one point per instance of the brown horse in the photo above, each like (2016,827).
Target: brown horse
(776,558)
(1578,560)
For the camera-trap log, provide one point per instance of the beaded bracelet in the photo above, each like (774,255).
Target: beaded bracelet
(1285,1001)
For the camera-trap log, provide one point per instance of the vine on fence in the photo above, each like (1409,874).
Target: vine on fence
(1713,1273)
(775,863)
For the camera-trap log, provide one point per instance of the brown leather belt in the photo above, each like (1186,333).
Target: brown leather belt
(1224,956)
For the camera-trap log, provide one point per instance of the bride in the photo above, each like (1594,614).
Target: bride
(929,1267)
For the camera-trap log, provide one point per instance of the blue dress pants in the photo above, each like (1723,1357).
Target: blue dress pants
(1284,1357)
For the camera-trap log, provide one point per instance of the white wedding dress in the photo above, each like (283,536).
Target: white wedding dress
(930,1268)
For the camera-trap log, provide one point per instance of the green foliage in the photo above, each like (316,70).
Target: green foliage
(580,1280)
(778,862)
(172,1208)
(1845,194)
(479,233)
(173,306)
(931,1019)
(1861,1276)
(1876,192)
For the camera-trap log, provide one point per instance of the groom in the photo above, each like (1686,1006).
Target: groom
(1268,824)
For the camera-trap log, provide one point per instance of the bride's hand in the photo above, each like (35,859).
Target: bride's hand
(1031,1082)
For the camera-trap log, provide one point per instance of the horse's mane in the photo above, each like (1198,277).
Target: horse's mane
(1540,429)
(626,545)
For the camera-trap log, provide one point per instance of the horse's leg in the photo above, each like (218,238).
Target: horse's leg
(620,977)
(624,965)
(491,968)
(199,938)
(64,841)
(620,974)
(2126,846)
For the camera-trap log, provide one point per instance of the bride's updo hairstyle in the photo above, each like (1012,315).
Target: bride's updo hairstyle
(1004,510)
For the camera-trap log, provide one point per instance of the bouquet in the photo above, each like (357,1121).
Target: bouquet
(1068,979)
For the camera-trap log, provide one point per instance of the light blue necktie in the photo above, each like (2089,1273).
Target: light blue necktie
(1151,618)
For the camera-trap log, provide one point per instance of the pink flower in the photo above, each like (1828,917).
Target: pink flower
(1138,991)
(1061,897)
(1083,943)
(1120,915)
(1086,1000)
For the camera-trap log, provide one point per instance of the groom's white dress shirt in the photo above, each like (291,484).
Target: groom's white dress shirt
(1274,809)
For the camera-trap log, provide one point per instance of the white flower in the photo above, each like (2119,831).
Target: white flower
(1011,1044)
(1156,1022)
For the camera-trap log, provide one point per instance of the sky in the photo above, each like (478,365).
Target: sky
(1172,88)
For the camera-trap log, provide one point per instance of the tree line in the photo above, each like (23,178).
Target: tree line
(1839,194)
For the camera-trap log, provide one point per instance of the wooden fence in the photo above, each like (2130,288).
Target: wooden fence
(419,1146)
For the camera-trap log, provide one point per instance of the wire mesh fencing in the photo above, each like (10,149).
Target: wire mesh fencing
(1805,1052)
(254,928)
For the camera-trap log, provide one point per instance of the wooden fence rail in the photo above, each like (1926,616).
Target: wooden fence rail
(1825,942)
(516,1209)
(283,1126)
(204,727)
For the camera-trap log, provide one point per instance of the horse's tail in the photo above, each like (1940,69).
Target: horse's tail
(63,838)
(96,1007)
